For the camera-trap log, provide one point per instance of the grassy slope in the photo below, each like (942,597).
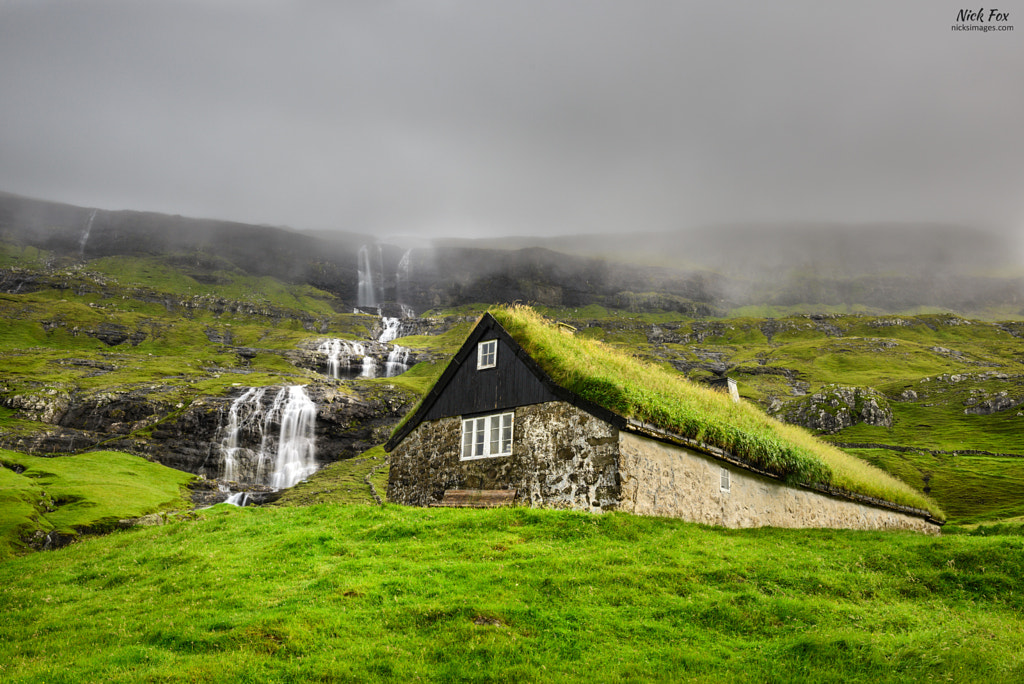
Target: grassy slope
(45,345)
(358,593)
(343,482)
(972,489)
(87,492)
(646,392)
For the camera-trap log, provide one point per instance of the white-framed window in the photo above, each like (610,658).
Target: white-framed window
(487,436)
(725,480)
(487,354)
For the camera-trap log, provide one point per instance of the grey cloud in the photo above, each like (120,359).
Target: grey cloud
(524,117)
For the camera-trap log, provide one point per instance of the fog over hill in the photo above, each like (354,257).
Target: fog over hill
(707,271)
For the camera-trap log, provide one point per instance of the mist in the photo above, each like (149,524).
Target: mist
(457,119)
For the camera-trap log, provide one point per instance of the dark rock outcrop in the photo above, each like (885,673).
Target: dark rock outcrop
(348,422)
(835,407)
(351,417)
(1000,402)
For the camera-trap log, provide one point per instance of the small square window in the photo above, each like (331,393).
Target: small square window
(487,354)
(725,480)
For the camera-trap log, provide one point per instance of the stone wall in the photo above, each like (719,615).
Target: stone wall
(562,457)
(667,480)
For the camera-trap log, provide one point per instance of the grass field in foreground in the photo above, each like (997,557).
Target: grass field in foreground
(364,593)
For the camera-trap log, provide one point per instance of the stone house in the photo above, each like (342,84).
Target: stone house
(495,423)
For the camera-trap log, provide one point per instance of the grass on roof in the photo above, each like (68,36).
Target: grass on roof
(645,392)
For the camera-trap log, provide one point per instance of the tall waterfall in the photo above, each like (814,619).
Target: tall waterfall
(273,445)
(371,276)
(88,229)
(402,277)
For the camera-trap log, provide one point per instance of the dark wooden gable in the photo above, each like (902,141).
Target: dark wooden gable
(516,380)
(509,384)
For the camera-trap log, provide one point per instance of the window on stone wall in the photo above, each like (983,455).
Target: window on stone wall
(487,436)
(487,354)
(725,480)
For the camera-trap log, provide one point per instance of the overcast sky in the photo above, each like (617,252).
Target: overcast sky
(515,117)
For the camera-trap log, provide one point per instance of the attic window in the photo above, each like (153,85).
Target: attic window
(725,480)
(487,436)
(487,354)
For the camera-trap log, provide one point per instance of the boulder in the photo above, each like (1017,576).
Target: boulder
(835,407)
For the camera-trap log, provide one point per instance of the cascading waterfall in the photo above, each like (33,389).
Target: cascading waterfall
(391,328)
(238,499)
(332,348)
(340,355)
(243,411)
(296,447)
(369,369)
(285,433)
(398,361)
(88,229)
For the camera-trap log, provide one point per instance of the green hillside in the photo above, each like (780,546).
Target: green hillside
(87,493)
(306,589)
(175,328)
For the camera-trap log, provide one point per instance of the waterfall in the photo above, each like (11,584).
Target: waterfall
(402,277)
(296,448)
(341,353)
(405,266)
(333,350)
(392,328)
(85,235)
(238,499)
(371,269)
(284,432)
(398,361)
(229,449)
(369,367)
